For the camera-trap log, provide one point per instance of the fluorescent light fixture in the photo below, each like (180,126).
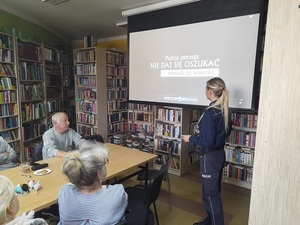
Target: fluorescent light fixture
(55,2)
(122,24)
(155,6)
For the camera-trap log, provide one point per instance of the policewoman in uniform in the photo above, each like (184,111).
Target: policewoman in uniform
(213,128)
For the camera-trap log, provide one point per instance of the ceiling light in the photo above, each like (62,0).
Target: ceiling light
(155,6)
(55,2)
(122,24)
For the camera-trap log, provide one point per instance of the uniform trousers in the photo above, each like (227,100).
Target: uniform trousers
(211,169)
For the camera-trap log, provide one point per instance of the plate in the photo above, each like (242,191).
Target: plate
(42,172)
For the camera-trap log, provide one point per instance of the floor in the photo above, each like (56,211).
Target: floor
(186,201)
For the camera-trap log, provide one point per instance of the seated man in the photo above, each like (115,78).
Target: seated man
(60,139)
(8,156)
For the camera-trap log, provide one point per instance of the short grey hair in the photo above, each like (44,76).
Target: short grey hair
(82,166)
(56,116)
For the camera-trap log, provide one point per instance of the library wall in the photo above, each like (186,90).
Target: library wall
(118,44)
(275,192)
(30,31)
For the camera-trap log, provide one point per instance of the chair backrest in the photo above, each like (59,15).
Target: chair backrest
(94,137)
(154,186)
(37,152)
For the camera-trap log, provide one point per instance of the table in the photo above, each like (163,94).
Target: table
(122,160)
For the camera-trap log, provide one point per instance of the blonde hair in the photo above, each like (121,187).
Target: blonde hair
(217,85)
(7,194)
(82,166)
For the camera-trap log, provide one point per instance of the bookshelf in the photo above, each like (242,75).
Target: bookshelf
(68,88)
(240,150)
(9,99)
(141,127)
(53,79)
(31,94)
(100,91)
(170,124)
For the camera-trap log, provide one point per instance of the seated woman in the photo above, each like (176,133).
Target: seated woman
(9,206)
(85,200)
(8,156)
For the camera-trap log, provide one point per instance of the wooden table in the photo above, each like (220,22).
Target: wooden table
(122,160)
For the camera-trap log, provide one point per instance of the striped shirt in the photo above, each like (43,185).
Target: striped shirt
(106,207)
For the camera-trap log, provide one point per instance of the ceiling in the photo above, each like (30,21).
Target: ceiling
(75,19)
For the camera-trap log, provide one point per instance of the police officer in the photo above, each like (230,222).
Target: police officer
(213,128)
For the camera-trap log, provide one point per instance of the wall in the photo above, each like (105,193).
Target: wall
(275,195)
(119,43)
(30,31)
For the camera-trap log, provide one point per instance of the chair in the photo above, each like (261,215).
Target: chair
(152,173)
(138,196)
(94,137)
(37,152)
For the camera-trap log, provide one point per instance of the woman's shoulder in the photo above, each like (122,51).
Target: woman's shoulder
(115,188)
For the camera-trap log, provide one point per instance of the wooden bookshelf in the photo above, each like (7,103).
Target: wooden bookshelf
(31,94)
(10,128)
(100,91)
(68,88)
(53,79)
(240,150)
(170,124)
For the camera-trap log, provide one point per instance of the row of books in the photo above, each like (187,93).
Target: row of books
(86,69)
(113,82)
(86,94)
(54,105)
(8,96)
(30,52)
(6,55)
(244,120)
(239,155)
(86,129)
(7,70)
(174,163)
(8,123)
(136,126)
(8,83)
(117,116)
(116,94)
(52,55)
(31,92)
(87,118)
(85,56)
(112,70)
(31,71)
(168,130)
(67,70)
(52,68)
(242,138)
(6,41)
(9,135)
(165,145)
(238,172)
(9,109)
(115,58)
(32,111)
(117,128)
(86,106)
(140,116)
(143,107)
(89,82)
(116,105)
(31,131)
(172,115)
